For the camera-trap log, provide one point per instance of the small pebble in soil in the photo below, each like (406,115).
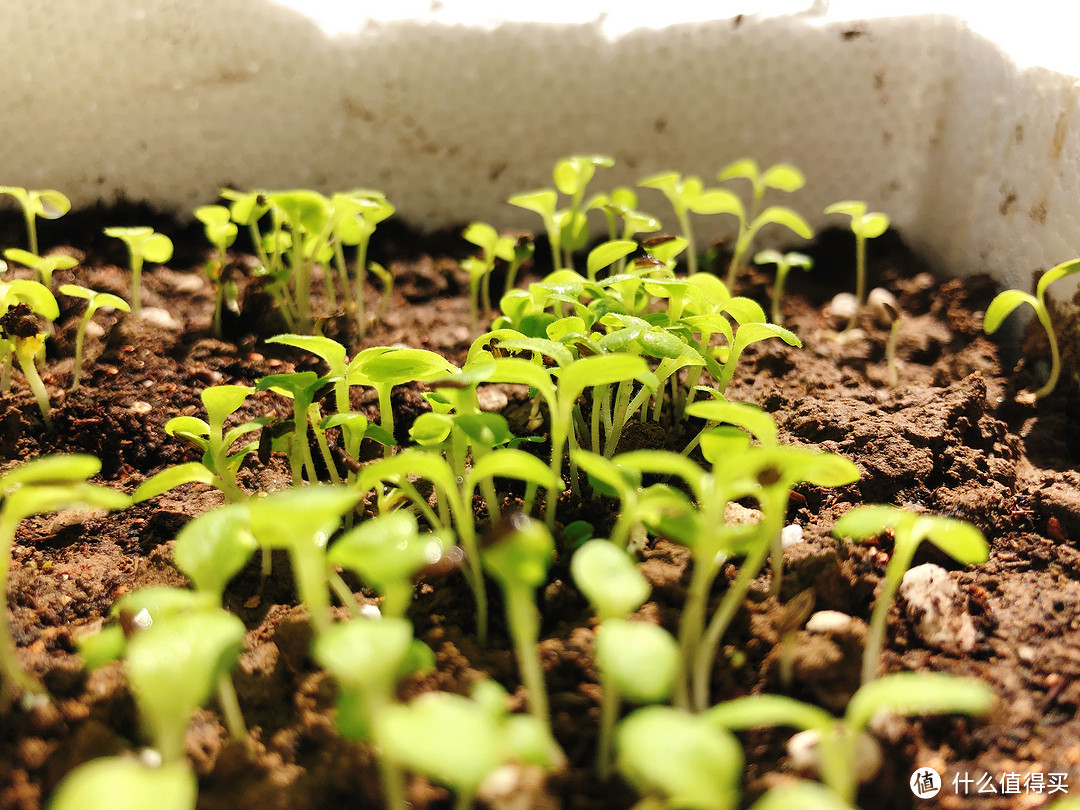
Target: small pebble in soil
(938,609)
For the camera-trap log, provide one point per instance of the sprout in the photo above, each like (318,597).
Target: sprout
(1005,302)
(44,203)
(94,302)
(120,783)
(20,336)
(519,558)
(681,760)
(784,262)
(865,226)
(883,304)
(221,233)
(960,540)
(46,484)
(688,194)
(782,177)
(838,740)
(218,465)
(143,244)
(479,268)
(387,552)
(43,266)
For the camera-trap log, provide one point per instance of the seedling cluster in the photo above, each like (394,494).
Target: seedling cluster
(630,339)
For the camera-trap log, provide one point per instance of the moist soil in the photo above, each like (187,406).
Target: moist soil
(951,438)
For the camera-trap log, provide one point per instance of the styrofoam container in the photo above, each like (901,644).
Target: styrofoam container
(939,119)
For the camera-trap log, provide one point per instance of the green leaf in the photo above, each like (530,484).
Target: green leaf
(1055,273)
(329,350)
(615,479)
(874,225)
(681,757)
(448,738)
(485,430)
(915,693)
(407,365)
(543,202)
(1003,305)
(718,201)
(52,469)
(517,464)
(640,658)
(49,203)
(431,429)
(783,177)
(609,579)
(101,648)
(522,557)
(601,370)
(385,550)
(608,253)
(32,293)
(483,236)
(300,517)
(853,208)
(192,472)
(364,654)
(782,215)
(746,169)
(957,538)
(751,418)
(212,548)
(187,425)
(803,795)
(222,400)
(122,783)
(760,711)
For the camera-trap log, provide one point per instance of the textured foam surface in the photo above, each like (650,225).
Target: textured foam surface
(973,155)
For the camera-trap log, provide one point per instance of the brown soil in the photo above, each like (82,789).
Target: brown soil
(949,439)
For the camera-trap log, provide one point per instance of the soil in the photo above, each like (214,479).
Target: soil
(951,439)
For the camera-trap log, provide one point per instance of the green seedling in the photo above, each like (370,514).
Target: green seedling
(960,540)
(784,262)
(20,336)
(143,245)
(386,281)
(458,742)
(884,306)
(43,266)
(455,496)
(801,794)
(94,302)
(905,693)
(219,464)
(686,195)
(637,660)
(567,229)
(43,485)
(1005,302)
(302,387)
(781,177)
(492,247)
(44,203)
(679,760)
(124,783)
(364,210)
(387,552)
(864,225)
(301,521)
(221,233)
(367,658)
(518,558)
(524,248)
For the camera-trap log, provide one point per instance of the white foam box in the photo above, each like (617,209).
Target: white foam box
(450,107)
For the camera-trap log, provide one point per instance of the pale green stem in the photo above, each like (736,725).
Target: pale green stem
(610,703)
(33,379)
(230,708)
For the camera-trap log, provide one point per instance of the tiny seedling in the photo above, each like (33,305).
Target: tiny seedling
(784,262)
(94,302)
(957,538)
(221,233)
(143,245)
(44,203)
(492,247)
(518,558)
(43,266)
(38,299)
(20,337)
(883,304)
(904,693)
(125,783)
(686,195)
(43,485)
(864,226)
(1005,302)
(218,466)
(679,760)
(782,177)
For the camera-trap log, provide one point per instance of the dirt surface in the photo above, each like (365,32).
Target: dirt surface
(951,439)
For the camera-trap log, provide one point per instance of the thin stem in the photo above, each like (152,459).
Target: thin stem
(610,703)
(343,592)
(524,621)
(80,335)
(25,355)
(230,708)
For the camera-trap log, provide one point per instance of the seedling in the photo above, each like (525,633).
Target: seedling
(44,203)
(884,306)
(367,658)
(686,195)
(801,794)
(679,760)
(637,660)
(1005,302)
(20,336)
(905,693)
(492,247)
(218,466)
(518,558)
(46,484)
(782,177)
(387,552)
(94,302)
(301,387)
(221,233)
(143,245)
(959,539)
(784,262)
(122,783)
(43,266)
(864,226)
